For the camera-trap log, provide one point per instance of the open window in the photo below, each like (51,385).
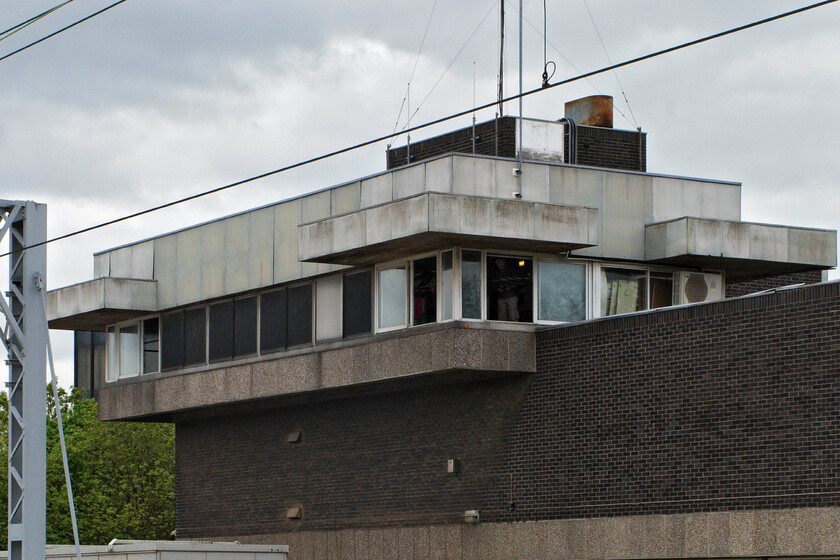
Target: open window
(510,289)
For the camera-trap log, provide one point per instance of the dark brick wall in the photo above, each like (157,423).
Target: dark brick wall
(736,289)
(377,460)
(490,141)
(731,405)
(611,148)
(723,406)
(597,147)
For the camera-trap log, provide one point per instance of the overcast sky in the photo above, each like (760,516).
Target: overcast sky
(156,100)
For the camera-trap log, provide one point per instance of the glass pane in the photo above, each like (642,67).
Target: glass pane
(221,331)
(172,340)
(151,345)
(424,291)
(622,291)
(393,300)
(471,284)
(245,327)
(562,289)
(356,303)
(273,320)
(299,315)
(446,285)
(111,366)
(195,336)
(661,289)
(129,350)
(509,289)
(328,308)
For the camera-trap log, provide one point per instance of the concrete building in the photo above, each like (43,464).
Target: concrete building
(462,358)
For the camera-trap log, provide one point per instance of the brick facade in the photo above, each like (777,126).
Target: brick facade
(736,289)
(597,147)
(731,405)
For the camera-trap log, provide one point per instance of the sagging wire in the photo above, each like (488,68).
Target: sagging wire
(414,69)
(15,28)
(477,27)
(609,61)
(575,68)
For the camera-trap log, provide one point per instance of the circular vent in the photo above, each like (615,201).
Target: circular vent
(695,288)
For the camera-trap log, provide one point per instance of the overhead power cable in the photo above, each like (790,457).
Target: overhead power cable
(63,29)
(24,24)
(428,124)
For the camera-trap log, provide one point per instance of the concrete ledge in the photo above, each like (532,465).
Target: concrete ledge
(804,532)
(744,250)
(433,221)
(90,306)
(169,550)
(437,355)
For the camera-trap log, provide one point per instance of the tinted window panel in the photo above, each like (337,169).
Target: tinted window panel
(221,331)
(357,303)
(471,284)
(172,340)
(273,321)
(299,318)
(151,345)
(245,327)
(195,335)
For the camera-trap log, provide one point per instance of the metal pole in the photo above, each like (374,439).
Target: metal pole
(25,338)
(519,193)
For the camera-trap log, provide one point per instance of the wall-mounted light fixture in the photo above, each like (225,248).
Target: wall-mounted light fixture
(471,517)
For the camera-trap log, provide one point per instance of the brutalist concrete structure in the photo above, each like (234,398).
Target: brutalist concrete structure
(439,361)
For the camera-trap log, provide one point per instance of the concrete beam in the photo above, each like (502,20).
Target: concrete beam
(438,353)
(743,250)
(801,532)
(90,306)
(433,221)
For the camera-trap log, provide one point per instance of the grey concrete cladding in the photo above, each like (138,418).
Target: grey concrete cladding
(261,247)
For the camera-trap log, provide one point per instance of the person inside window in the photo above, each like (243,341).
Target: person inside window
(503,286)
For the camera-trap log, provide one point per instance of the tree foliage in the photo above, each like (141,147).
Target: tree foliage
(123,474)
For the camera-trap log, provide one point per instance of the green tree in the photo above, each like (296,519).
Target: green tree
(122,474)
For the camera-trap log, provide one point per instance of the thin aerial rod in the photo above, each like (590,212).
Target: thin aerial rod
(40,281)
(519,174)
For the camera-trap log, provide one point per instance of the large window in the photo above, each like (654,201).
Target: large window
(132,349)
(184,338)
(626,290)
(562,291)
(471,284)
(393,297)
(424,290)
(357,303)
(509,289)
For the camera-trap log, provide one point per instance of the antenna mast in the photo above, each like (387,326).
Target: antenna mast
(501,57)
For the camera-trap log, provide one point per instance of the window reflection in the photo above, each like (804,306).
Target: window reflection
(509,289)
(622,291)
(562,291)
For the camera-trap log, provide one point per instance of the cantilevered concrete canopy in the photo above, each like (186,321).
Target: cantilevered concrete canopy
(432,221)
(744,250)
(90,306)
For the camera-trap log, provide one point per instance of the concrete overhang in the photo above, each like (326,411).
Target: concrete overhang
(431,221)
(743,250)
(422,356)
(89,306)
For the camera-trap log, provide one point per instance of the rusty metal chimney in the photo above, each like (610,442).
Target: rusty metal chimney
(595,110)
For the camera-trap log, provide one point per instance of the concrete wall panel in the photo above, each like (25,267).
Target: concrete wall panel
(376,190)
(347,198)
(286,219)
(166,270)
(315,207)
(212,258)
(473,176)
(409,181)
(189,266)
(261,248)
(439,175)
(237,253)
